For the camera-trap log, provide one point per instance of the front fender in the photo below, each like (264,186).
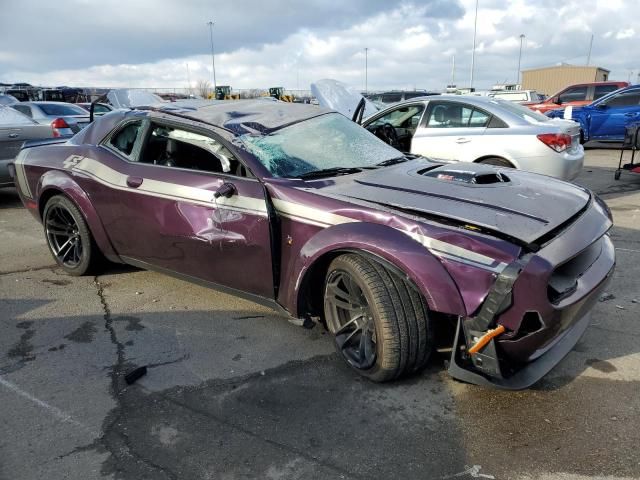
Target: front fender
(53,182)
(391,245)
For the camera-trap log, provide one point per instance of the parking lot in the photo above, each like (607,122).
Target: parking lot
(235,391)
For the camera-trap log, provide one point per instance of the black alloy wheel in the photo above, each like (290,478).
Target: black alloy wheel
(63,236)
(352,320)
(379,320)
(68,236)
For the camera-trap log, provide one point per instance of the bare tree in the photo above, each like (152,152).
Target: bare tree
(252,93)
(203,87)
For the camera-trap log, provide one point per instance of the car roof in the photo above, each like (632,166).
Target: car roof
(250,116)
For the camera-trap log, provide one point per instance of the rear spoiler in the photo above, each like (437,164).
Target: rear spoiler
(48,141)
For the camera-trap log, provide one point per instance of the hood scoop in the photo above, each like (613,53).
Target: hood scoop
(481,176)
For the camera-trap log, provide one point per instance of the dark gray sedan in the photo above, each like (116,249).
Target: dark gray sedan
(15,128)
(65,118)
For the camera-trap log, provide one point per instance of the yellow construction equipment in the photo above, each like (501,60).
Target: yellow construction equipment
(278,93)
(223,92)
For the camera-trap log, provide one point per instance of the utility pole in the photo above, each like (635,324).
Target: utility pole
(473,51)
(519,58)
(213,58)
(189,78)
(590,47)
(366,68)
(453,71)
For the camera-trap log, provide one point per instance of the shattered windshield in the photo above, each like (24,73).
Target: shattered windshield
(324,142)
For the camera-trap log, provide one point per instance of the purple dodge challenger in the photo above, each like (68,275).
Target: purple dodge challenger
(299,207)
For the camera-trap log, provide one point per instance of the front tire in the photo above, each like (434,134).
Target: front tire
(68,237)
(380,322)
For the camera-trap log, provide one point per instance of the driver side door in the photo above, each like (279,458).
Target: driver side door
(175,198)
(404,121)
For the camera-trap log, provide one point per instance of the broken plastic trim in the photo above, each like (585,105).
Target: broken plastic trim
(485,359)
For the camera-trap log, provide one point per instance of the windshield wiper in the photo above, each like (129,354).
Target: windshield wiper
(329,172)
(392,161)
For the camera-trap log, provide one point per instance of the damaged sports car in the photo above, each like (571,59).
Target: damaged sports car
(300,208)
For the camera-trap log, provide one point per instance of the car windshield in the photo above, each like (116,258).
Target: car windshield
(9,116)
(61,109)
(520,111)
(325,142)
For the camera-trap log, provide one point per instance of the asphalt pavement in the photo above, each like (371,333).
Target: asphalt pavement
(233,391)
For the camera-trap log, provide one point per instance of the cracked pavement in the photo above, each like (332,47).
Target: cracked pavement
(234,391)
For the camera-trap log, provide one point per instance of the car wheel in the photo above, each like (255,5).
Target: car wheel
(497,161)
(380,322)
(68,236)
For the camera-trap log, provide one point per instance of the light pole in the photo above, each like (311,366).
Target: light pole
(519,58)
(213,58)
(473,51)
(366,67)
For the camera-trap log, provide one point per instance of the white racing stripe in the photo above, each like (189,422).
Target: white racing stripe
(171,191)
(323,219)
(21,176)
(293,211)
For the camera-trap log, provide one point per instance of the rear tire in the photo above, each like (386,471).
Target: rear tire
(496,161)
(69,238)
(380,323)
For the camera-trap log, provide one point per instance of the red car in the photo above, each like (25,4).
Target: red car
(577,95)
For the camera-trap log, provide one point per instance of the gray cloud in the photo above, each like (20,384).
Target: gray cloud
(79,33)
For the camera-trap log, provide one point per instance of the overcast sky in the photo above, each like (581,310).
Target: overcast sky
(291,43)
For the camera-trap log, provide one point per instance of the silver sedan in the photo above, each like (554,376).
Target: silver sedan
(484,130)
(64,118)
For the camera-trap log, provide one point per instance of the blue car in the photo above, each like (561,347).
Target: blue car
(605,119)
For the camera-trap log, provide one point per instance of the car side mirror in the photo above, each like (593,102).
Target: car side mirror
(601,106)
(557,101)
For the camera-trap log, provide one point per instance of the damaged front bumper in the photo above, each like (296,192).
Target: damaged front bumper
(519,358)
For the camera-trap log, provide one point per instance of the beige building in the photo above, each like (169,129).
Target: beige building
(550,80)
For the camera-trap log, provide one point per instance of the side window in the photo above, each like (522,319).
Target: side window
(495,122)
(24,109)
(174,147)
(602,90)
(449,115)
(404,117)
(625,99)
(125,139)
(573,95)
(479,119)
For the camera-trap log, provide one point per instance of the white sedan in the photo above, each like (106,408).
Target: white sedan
(472,129)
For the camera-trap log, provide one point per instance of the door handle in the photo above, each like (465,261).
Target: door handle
(14,135)
(630,114)
(227,190)
(134,182)
(463,140)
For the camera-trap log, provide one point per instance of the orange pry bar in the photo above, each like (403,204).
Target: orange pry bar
(486,338)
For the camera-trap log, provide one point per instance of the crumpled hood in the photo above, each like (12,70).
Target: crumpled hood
(525,207)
